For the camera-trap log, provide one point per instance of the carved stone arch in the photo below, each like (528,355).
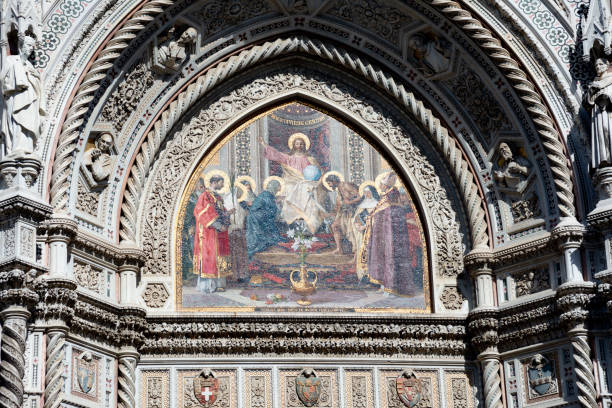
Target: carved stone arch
(216,115)
(438,134)
(475,29)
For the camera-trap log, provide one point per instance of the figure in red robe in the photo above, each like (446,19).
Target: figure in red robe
(211,252)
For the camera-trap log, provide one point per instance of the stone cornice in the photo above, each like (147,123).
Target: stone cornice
(21,206)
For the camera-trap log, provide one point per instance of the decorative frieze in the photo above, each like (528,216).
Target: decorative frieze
(459,391)
(290,380)
(225,393)
(358,388)
(155,391)
(258,388)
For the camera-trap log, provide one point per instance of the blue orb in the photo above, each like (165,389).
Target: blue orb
(312,173)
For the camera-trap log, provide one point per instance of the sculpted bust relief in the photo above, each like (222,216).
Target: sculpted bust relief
(172,53)
(599,100)
(513,171)
(21,102)
(98,161)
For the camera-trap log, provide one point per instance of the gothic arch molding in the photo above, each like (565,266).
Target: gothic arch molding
(215,116)
(439,135)
(550,137)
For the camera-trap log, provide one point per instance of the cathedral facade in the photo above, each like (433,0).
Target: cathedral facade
(305,203)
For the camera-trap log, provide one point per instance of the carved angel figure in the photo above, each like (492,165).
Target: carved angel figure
(20,106)
(173,52)
(599,100)
(98,161)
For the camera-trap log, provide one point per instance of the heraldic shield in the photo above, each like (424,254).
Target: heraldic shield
(541,373)
(408,388)
(206,388)
(308,387)
(86,372)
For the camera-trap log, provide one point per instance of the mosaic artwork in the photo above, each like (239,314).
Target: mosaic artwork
(295,210)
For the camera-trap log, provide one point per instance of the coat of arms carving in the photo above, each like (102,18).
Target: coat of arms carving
(308,387)
(409,388)
(541,375)
(86,372)
(206,388)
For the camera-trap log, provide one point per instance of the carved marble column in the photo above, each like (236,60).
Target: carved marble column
(12,366)
(60,231)
(56,310)
(483,323)
(132,326)
(569,234)
(573,300)
(129,269)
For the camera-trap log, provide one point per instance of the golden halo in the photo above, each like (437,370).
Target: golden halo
(380,178)
(331,173)
(365,184)
(298,136)
(248,179)
(226,181)
(280,180)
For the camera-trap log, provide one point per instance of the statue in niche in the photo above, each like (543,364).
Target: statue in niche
(21,103)
(173,51)
(599,100)
(514,171)
(98,161)
(429,53)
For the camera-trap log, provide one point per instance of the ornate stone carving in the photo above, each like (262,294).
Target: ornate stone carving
(532,281)
(87,201)
(127,386)
(128,94)
(375,15)
(514,172)
(193,137)
(525,209)
(573,299)
(87,276)
(12,349)
(54,369)
(21,105)
(459,392)
(218,15)
(483,108)
(431,53)
(155,295)
(98,161)
(271,336)
(452,298)
(541,377)
(174,50)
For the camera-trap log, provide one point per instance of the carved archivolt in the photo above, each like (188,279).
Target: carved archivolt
(439,136)
(60,182)
(526,90)
(64,155)
(192,138)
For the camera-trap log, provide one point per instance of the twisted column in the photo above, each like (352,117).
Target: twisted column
(585,380)
(12,362)
(573,300)
(492,383)
(126,393)
(54,367)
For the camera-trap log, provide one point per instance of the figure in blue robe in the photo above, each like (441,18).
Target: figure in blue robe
(262,231)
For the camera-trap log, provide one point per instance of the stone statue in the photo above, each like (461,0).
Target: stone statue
(513,171)
(172,53)
(21,104)
(599,100)
(428,53)
(98,161)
